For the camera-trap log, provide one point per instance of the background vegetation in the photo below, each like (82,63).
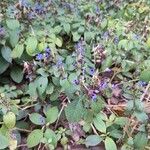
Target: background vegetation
(74,73)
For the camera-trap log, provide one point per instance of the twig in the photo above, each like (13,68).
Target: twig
(39,146)
(24,130)
(143,95)
(28,106)
(115,73)
(22,145)
(94,130)
(62,108)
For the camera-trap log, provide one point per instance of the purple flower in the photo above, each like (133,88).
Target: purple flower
(47,49)
(31,15)
(79,48)
(39,56)
(38,8)
(76,82)
(59,63)
(116,40)
(93,96)
(142,83)
(97,10)
(102,85)
(92,71)
(114,86)
(2,31)
(47,52)
(105,35)
(136,37)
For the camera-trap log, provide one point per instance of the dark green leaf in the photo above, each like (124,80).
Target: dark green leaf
(3,65)
(74,111)
(37,119)
(42,84)
(6,53)
(16,74)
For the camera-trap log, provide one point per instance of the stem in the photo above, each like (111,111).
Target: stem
(146,90)
(23,130)
(94,130)
(62,108)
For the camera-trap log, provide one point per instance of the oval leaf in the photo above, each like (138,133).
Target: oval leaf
(9,120)
(110,144)
(52,114)
(6,53)
(3,65)
(42,84)
(37,119)
(99,124)
(93,140)
(3,142)
(34,138)
(17,51)
(31,43)
(16,74)
(145,75)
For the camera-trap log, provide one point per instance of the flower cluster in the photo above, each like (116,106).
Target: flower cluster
(45,55)
(2,32)
(79,47)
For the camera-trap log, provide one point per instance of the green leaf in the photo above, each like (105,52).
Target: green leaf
(89,36)
(58,42)
(14,38)
(37,119)
(50,134)
(148,42)
(93,140)
(12,24)
(17,51)
(99,124)
(57,29)
(51,115)
(31,43)
(81,30)
(74,111)
(122,44)
(66,27)
(141,116)
(34,138)
(6,53)
(16,74)
(42,84)
(4,142)
(76,36)
(145,75)
(104,23)
(50,89)
(9,120)
(110,144)
(121,121)
(140,140)
(3,65)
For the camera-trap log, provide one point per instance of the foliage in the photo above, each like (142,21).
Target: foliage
(74,73)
